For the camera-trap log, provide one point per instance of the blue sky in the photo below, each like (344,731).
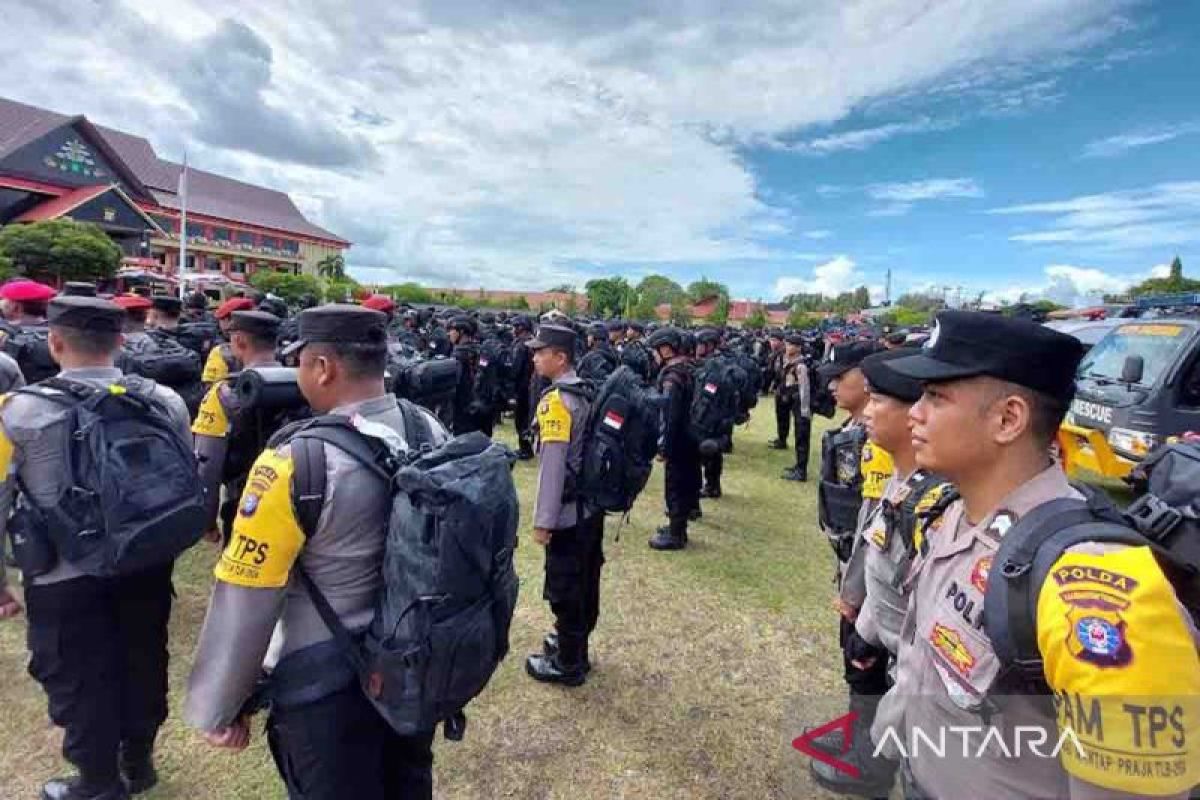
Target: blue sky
(1045,147)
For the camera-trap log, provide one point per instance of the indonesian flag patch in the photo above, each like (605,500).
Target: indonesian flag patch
(711,388)
(614,420)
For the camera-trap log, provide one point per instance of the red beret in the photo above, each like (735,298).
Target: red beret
(132,302)
(380,302)
(234,304)
(26,291)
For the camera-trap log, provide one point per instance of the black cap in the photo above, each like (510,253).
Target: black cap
(86,314)
(256,323)
(557,336)
(78,289)
(885,380)
(845,357)
(167,304)
(670,337)
(966,344)
(339,323)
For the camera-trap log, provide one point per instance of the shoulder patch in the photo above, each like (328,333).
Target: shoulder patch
(266,537)
(211,419)
(554,418)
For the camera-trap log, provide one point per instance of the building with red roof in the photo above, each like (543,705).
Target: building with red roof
(56,166)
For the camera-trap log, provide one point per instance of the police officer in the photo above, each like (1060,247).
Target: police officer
(571,530)
(1107,626)
(775,377)
(892,536)
(794,394)
(221,361)
(98,646)
(635,354)
(165,313)
(228,438)
(600,360)
(328,741)
(678,447)
(467,417)
(523,373)
(712,463)
(23,333)
(197,308)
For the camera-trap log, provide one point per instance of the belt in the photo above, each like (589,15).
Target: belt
(310,674)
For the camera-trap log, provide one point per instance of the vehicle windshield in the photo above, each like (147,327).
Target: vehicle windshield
(1157,343)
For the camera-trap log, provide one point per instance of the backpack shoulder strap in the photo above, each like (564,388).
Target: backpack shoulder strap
(416,428)
(1027,553)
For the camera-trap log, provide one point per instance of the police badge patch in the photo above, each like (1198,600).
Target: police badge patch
(1100,639)
(249,504)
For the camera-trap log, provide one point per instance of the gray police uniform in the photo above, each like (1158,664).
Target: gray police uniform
(98,646)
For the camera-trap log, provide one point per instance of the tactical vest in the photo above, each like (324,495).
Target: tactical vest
(839,493)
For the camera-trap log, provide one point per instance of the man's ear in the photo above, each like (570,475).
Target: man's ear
(1013,416)
(326,370)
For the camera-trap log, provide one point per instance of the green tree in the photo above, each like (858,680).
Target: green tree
(286,285)
(920,301)
(408,293)
(643,309)
(562,288)
(803,319)
(521,303)
(720,314)
(6,267)
(339,291)
(757,319)
(332,268)
(704,289)
(60,249)
(1174,282)
(607,297)
(658,289)
(681,313)
(862,298)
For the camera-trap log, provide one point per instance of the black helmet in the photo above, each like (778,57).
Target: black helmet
(597,330)
(708,336)
(197,300)
(670,337)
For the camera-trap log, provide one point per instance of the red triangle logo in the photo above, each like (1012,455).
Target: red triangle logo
(845,724)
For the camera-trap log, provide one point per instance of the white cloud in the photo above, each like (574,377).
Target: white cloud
(858,139)
(833,277)
(928,189)
(1157,216)
(819,233)
(1144,137)
(1074,286)
(453,143)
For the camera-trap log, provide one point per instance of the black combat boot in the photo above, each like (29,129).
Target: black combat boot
(778,444)
(712,492)
(137,766)
(671,537)
(566,666)
(795,474)
(74,788)
(550,650)
(875,775)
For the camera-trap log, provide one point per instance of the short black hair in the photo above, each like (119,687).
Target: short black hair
(361,361)
(258,341)
(33,308)
(570,354)
(1046,412)
(93,344)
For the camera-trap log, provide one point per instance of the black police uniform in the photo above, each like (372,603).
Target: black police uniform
(98,646)
(522,379)
(712,464)
(467,416)
(679,448)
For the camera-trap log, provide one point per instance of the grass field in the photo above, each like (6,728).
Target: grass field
(706,663)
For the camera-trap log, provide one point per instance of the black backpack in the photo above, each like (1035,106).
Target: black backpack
(490,375)
(620,441)
(131,499)
(636,356)
(716,401)
(29,345)
(597,365)
(1166,519)
(450,589)
(162,359)
(752,384)
(199,337)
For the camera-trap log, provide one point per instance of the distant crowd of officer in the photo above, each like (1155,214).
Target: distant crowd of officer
(941,450)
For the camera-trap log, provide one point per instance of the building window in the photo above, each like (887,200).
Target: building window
(291,246)
(245,240)
(212,264)
(195,229)
(191,264)
(239,267)
(222,235)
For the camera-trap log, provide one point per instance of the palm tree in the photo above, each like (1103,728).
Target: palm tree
(332,268)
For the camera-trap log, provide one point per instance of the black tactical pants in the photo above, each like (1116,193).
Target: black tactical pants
(98,647)
(682,481)
(574,560)
(523,419)
(713,467)
(340,747)
(803,438)
(783,415)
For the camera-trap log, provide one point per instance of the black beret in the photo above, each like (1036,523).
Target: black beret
(557,336)
(86,313)
(966,344)
(167,303)
(885,380)
(257,323)
(339,323)
(78,289)
(845,357)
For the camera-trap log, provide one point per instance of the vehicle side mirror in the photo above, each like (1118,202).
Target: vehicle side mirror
(1133,369)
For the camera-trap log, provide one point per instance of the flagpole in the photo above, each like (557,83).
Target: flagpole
(182,188)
